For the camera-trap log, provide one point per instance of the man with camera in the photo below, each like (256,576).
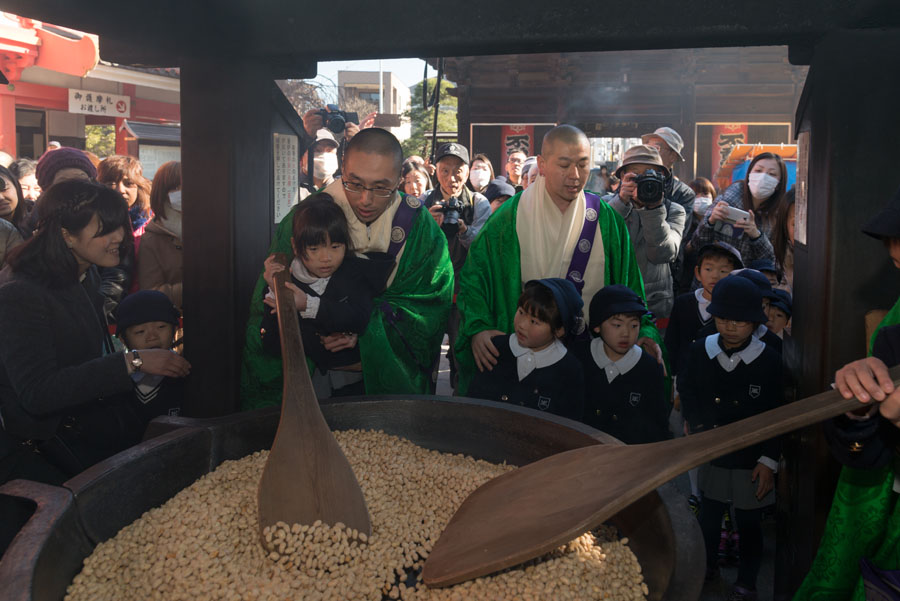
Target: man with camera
(319,164)
(655,223)
(460,213)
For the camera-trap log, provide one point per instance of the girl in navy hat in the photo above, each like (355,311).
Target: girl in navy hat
(625,387)
(729,376)
(535,369)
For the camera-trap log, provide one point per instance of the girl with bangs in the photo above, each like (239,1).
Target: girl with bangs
(332,288)
(59,371)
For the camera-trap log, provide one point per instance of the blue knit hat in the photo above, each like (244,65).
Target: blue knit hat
(568,301)
(145,306)
(737,298)
(613,300)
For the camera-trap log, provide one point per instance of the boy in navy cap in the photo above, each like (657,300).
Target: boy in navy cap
(729,376)
(780,310)
(144,320)
(625,387)
(534,368)
(767,268)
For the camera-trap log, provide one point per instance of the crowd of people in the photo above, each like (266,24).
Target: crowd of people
(649,309)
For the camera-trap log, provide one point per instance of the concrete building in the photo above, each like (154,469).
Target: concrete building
(364,85)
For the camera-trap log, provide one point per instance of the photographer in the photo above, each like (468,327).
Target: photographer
(324,163)
(460,213)
(654,223)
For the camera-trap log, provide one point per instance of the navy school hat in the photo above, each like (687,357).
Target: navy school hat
(759,279)
(737,298)
(613,300)
(497,188)
(886,222)
(568,301)
(144,306)
(763,265)
(719,246)
(783,301)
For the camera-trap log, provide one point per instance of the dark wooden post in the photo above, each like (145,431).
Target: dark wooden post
(848,111)
(226,155)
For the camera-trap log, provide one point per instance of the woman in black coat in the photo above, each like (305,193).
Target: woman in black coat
(59,373)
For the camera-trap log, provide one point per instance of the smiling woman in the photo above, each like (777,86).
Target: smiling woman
(60,376)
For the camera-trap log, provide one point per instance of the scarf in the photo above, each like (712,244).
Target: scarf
(139,217)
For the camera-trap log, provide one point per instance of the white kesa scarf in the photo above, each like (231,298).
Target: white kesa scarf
(528,360)
(374,237)
(547,240)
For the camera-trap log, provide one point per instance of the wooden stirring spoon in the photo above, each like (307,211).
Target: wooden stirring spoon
(307,476)
(536,508)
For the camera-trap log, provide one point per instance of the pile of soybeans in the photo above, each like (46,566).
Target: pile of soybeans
(204,542)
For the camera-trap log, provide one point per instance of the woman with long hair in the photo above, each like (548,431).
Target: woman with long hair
(161,259)
(783,241)
(13,207)
(60,372)
(481,172)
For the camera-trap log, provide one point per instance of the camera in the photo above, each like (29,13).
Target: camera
(451,209)
(335,119)
(651,186)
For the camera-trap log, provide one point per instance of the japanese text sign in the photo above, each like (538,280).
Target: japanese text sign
(86,102)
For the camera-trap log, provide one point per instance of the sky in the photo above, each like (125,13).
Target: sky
(408,70)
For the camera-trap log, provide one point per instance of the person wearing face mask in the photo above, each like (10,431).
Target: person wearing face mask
(481,172)
(760,194)
(324,164)
(161,258)
(704,193)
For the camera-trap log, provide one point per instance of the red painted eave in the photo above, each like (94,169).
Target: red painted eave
(25,43)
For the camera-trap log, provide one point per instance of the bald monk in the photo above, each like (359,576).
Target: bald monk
(403,338)
(551,229)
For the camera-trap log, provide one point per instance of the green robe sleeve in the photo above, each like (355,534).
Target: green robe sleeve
(399,358)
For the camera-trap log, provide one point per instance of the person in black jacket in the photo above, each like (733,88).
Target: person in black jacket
(59,373)
(333,291)
(625,387)
(730,376)
(534,368)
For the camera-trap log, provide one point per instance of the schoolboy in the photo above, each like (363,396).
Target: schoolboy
(780,310)
(534,368)
(767,268)
(147,319)
(624,386)
(729,376)
(689,314)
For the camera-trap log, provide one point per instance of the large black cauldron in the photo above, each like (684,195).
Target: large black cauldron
(68,522)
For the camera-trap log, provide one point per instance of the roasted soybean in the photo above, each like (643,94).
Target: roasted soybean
(204,542)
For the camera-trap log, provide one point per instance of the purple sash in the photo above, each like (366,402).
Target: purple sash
(402,223)
(582,253)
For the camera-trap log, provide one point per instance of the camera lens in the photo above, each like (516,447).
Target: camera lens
(336,123)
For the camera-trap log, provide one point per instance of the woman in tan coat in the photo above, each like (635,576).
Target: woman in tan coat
(161,261)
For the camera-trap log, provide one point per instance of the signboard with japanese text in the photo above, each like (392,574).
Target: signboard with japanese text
(286,175)
(725,137)
(86,102)
(516,138)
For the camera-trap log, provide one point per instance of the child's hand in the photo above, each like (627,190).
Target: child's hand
(339,342)
(765,480)
(299,296)
(271,267)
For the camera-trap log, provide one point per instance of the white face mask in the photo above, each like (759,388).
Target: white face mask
(480,178)
(324,165)
(762,184)
(175,200)
(701,204)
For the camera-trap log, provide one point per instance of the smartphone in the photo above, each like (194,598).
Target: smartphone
(734,215)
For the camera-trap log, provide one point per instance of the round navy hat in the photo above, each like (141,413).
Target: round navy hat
(783,301)
(568,301)
(613,300)
(145,306)
(720,246)
(758,278)
(497,188)
(763,265)
(886,222)
(737,298)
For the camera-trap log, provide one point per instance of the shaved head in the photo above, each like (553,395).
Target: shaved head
(563,135)
(378,141)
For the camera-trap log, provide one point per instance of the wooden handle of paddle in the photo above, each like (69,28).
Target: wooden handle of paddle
(292,354)
(747,432)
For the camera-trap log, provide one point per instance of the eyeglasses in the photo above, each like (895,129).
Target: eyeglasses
(516,161)
(376,192)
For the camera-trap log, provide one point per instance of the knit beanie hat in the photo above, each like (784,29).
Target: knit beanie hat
(53,161)
(142,307)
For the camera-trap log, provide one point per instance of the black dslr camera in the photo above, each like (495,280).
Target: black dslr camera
(335,119)
(451,209)
(651,186)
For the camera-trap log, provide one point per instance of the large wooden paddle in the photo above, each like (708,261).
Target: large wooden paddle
(307,477)
(532,510)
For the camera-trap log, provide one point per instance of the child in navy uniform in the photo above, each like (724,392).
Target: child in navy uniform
(689,314)
(729,376)
(625,387)
(333,291)
(147,319)
(534,368)
(780,310)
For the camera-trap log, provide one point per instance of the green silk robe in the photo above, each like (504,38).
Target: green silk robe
(491,282)
(420,293)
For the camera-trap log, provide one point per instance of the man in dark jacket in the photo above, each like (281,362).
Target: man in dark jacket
(669,144)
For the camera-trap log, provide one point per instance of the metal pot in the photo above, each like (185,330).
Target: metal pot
(69,521)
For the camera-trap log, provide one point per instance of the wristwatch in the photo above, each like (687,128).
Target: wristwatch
(136,361)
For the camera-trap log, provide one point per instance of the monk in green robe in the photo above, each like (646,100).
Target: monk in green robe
(537,234)
(403,338)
